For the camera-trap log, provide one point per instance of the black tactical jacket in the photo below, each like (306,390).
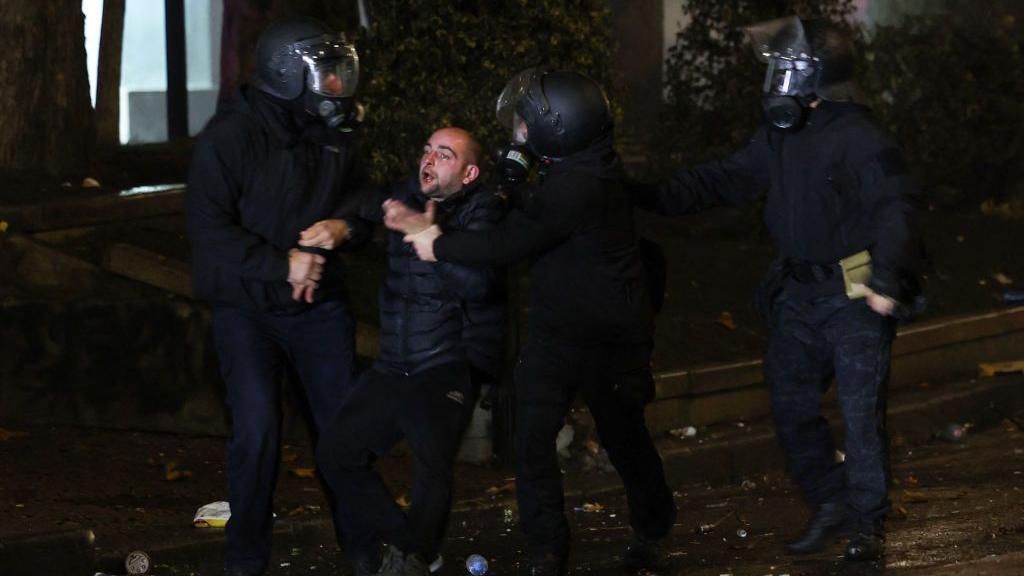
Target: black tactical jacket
(836,187)
(432,313)
(258,177)
(587,281)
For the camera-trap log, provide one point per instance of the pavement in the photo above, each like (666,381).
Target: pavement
(956,505)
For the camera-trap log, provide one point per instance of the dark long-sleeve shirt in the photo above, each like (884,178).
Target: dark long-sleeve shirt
(587,281)
(257,179)
(836,187)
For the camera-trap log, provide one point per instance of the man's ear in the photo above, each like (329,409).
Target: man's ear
(471,173)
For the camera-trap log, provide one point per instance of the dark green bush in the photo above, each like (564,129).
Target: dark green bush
(430,63)
(951,88)
(713,81)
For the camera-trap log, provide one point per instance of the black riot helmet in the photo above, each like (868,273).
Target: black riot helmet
(301,57)
(807,59)
(554,113)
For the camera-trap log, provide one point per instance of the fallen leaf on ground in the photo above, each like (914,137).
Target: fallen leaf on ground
(507,488)
(6,435)
(1002,278)
(725,319)
(172,473)
(914,496)
(989,369)
(590,507)
(304,472)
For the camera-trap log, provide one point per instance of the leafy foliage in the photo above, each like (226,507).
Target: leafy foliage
(431,63)
(713,82)
(951,87)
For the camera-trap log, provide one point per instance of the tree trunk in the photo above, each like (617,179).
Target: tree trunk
(47,125)
(108,77)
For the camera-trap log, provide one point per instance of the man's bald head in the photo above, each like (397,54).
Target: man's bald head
(449,162)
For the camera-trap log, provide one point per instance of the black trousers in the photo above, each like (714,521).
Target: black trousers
(615,382)
(430,409)
(810,342)
(253,349)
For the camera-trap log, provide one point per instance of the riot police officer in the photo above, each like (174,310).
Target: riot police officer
(836,187)
(590,319)
(270,198)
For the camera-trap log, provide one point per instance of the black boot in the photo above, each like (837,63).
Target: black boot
(864,547)
(827,524)
(642,554)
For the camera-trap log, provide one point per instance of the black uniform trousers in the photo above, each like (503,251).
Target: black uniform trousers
(430,409)
(615,382)
(811,341)
(253,349)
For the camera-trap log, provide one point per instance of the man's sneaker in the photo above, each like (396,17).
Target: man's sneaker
(415,565)
(642,554)
(864,547)
(393,562)
(827,524)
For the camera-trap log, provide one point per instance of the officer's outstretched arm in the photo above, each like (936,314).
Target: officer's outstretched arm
(736,180)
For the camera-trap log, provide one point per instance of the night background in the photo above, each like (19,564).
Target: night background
(112,426)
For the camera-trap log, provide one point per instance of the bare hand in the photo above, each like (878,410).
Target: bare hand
(300,292)
(326,234)
(881,304)
(304,273)
(423,242)
(401,218)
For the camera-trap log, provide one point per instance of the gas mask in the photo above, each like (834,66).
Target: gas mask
(332,74)
(791,79)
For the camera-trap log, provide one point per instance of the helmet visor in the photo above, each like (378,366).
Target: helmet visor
(333,66)
(518,87)
(789,77)
(783,37)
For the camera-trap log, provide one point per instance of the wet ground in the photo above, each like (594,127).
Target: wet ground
(957,511)
(957,505)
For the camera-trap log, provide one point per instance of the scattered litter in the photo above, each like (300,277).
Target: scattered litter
(952,432)
(684,432)
(476,565)
(914,496)
(748,485)
(506,488)
(3,226)
(212,515)
(6,435)
(1002,278)
(840,456)
(90,183)
(172,473)
(564,439)
(304,472)
(590,507)
(725,320)
(403,501)
(289,457)
(137,562)
(990,369)
(709,528)
(508,516)
(741,533)
(1012,297)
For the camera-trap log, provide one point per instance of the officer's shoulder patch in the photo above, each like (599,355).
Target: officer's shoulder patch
(891,162)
